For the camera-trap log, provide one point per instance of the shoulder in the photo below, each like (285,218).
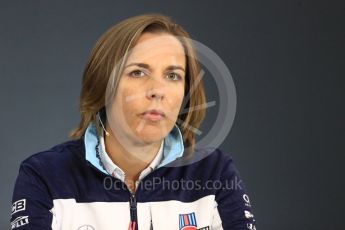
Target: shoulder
(49,174)
(221,163)
(213,157)
(207,163)
(56,156)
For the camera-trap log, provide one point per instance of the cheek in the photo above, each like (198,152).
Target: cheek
(130,100)
(124,100)
(175,99)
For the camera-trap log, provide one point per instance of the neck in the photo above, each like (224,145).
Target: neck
(129,156)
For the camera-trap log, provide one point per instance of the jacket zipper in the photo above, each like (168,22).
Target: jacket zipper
(133,211)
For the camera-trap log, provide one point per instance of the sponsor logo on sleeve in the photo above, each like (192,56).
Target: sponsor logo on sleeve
(18,206)
(19,221)
(246,200)
(251,226)
(248,214)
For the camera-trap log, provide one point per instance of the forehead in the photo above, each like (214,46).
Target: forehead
(153,46)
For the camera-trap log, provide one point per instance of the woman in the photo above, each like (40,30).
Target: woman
(120,171)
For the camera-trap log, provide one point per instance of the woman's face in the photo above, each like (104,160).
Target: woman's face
(153,79)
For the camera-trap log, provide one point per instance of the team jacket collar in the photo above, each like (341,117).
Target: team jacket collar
(173,147)
(116,171)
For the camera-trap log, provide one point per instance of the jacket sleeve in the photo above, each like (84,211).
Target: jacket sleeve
(232,209)
(31,202)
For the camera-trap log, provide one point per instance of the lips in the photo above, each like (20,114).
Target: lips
(153,115)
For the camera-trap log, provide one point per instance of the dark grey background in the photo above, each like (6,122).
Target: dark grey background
(287,60)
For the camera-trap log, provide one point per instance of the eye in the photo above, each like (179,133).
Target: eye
(174,76)
(136,73)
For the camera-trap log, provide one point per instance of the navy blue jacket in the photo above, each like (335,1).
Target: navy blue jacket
(61,189)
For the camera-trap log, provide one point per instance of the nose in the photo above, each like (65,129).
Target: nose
(155,94)
(156,90)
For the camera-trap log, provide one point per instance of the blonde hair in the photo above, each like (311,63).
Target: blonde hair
(112,47)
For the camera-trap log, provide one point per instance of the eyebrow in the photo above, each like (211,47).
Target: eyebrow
(146,66)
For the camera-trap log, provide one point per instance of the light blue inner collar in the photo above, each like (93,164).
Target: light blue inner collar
(172,149)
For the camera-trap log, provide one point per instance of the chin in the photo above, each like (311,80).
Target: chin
(150,139)
(150,134)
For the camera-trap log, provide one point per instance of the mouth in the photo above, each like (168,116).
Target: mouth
(153,115)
